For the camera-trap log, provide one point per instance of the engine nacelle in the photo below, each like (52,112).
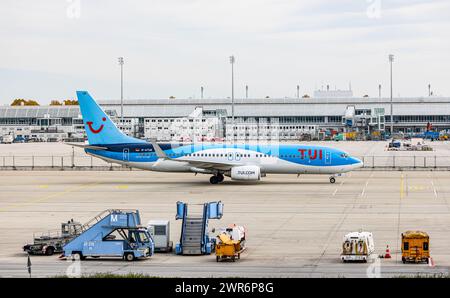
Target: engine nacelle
(245,173)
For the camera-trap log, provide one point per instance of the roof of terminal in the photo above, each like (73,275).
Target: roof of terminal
(270,107)
(352,100)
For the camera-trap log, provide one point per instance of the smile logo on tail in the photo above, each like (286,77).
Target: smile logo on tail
(89,123)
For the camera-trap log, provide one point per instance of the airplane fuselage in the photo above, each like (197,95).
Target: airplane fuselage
(272,158)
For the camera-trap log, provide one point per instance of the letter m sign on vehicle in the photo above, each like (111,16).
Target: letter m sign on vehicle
(118,220)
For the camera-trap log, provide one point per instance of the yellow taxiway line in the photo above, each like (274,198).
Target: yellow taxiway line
(48,197)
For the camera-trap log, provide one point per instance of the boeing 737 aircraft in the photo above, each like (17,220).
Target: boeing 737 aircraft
(237,161)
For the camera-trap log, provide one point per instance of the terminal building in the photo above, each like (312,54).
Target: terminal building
(255,119)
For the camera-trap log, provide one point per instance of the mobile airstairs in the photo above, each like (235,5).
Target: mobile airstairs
(112,233)
(195,238)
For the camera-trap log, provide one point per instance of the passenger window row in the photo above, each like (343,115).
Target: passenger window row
(221,155)
(225,155)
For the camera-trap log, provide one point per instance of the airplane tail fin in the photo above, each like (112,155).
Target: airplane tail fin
(99,127)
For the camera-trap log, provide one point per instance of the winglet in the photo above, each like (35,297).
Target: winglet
(159,152)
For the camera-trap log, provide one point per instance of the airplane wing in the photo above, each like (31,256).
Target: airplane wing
(86,146)
(210,165)
(195,163)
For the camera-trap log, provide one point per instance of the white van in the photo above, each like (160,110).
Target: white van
(7,139)
(357,246)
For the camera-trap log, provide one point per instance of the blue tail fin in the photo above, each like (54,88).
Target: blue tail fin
(99,128)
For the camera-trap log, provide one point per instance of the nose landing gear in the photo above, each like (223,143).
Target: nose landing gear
(333,179)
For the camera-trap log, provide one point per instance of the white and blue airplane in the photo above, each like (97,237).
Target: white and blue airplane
(238,161)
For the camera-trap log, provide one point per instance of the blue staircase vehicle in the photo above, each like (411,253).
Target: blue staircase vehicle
(195,239)
(112,233)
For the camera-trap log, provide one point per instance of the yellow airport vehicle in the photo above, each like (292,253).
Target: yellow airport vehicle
(350,136)
(230,243)
(227,248)
(415,247)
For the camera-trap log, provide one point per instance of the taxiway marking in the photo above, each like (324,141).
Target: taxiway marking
(48,197)
(434,189)
(364,189)
(340,185)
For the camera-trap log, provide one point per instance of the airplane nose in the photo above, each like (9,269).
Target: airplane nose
(358,162)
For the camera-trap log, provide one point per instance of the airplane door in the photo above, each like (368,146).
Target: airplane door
(327,157)
(237,156)
(126,154)
(230,156)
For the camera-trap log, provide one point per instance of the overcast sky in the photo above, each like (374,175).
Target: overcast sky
(50,48)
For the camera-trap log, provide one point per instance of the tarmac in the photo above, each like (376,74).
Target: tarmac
(295,225)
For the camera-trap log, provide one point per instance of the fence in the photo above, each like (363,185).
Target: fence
(407,162)
(74,162)
(56,162)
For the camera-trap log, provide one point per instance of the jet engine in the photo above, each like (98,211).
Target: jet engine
(245,173)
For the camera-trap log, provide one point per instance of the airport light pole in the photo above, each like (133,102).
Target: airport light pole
(201,92)
(298,91)
(121,88)
(232,60)
(391,59)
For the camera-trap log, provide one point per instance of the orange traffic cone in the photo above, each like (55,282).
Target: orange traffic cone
(388,253)
(431,262)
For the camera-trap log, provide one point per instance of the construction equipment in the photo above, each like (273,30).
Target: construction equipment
(53,241)
(160,231)
(195,239)
(415,247)
(112,233)
(357,246)
(230,243)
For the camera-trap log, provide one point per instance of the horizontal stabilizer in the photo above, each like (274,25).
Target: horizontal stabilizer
(86,146)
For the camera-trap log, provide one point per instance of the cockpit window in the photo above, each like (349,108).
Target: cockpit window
(344,155)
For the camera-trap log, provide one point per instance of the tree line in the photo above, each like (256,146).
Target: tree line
(31,102)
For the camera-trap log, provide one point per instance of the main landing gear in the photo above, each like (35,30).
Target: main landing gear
(216,179)
(332,179)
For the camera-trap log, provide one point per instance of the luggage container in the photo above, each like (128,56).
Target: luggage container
(160,232)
